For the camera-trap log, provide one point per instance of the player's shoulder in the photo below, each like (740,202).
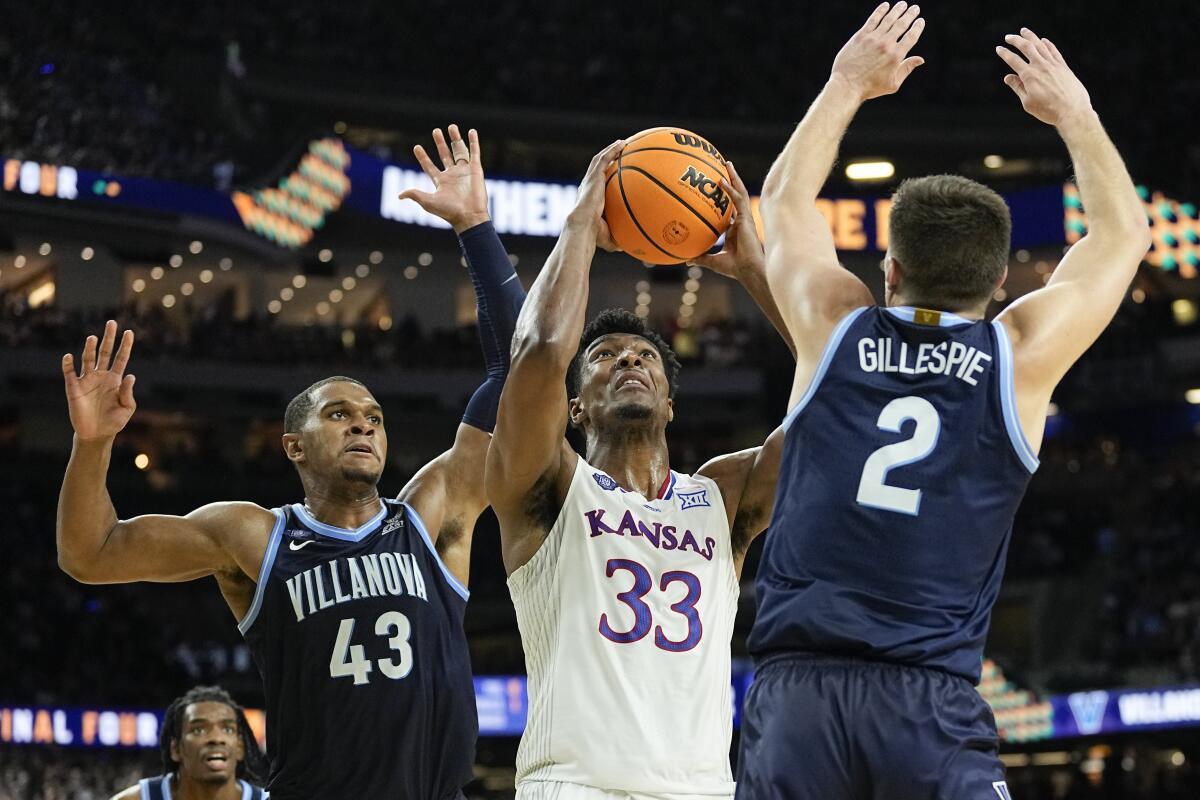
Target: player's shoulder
(234,517)
(132,793)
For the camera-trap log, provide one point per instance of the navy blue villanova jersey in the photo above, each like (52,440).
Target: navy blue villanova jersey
(358,636)
(903,466)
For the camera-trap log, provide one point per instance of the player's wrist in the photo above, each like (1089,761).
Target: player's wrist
(1078,122)
(468,221)
(845,87)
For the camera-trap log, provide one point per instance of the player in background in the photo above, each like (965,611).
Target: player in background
(208,752)
(624,573)
(912,433)
(352,605)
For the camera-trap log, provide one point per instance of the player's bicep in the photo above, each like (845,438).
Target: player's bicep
(163,548)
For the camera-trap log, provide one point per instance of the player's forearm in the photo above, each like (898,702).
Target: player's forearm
(552,318)
(806,161)
(86,515)
(1109,198)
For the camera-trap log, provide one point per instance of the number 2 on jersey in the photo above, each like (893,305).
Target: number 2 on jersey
(642,615)
(872,489)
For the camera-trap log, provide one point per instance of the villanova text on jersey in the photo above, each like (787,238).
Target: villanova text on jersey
(903,466)
(358,636)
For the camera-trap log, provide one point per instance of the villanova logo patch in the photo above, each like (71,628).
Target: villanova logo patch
(693,499)
(1001,788)
(604,482)
(1088,710)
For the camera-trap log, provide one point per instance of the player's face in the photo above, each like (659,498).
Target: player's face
(623,378)
(208,748)
(344,435)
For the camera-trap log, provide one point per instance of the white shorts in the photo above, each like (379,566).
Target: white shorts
(557,790)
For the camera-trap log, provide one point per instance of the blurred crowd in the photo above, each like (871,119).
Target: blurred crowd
(115,91)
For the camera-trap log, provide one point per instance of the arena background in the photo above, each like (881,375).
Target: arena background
(222,176)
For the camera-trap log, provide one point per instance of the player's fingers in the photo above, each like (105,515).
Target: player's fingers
(609,154)
(1027,48)
(876,17)
(913,33)
(123,353)
(909,64)
(893,16)
(458,148)
(427,165)
(125,397)
(443,149)
(89,355)
(906,21)
(473,147)
(107,342)
(1014,61)
(423,199)
(1014,82)
(68,369)
(1053,50)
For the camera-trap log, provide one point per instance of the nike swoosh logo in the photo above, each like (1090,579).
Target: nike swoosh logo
(297,545)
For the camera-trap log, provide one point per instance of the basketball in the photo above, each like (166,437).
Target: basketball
(663,199)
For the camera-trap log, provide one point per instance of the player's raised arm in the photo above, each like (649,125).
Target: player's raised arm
(529,463)
(449,492)
(94,545)
(1051,327)
(811,287)
(747,478)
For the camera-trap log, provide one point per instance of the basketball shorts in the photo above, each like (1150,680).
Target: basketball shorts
(825,728)
(557,790)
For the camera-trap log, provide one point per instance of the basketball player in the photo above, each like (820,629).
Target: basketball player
(912,433)
(623,572)
(352,605)
(208,752)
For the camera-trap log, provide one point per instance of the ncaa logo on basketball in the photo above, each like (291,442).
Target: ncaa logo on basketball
(707,187)
(693,499)
(604,482)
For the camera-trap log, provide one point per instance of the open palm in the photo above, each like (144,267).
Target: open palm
(460,194)
(100,397)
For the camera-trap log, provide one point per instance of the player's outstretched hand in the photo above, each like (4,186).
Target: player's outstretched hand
(875,61)
(589,204)
(100,397)
(1047,87)
(460,194)
(743,250)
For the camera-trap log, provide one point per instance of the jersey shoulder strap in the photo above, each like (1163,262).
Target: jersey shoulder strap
(152,788)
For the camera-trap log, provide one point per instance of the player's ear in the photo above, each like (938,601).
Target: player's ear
(575,412)
(293,447)
(1003,278)
(175,751)
(670,410)
(893,273)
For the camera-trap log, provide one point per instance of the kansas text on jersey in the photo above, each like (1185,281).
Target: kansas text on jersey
(903,467)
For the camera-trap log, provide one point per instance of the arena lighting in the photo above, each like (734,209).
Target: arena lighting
(1192,396)
(1178,758)
(376,257)
(325,256)
(176,261)
(1184,311)
(425,259)
(287,293)
(385,323)
(298,281)
(87,253)
(695,272)
(139,285)
(41,295)
(1057,758)
(196,247)
(226,264)
(141,461)
(45,249)
(168,300)
(187,289)
(999,295)
(156,273)
(19,261)
(274,306)
(348,283)
(870,170)
(1138,296)
(336,295)
(362,270)
(410,272)
(206,276)
(993,161)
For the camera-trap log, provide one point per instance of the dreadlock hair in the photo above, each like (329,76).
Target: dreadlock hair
(618,320)
(302,404)
(253,766)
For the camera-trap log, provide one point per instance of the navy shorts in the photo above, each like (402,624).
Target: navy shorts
(825,728)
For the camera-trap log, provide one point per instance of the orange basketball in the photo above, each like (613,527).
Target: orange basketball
(662,198)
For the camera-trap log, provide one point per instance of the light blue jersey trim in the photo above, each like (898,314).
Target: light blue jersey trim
(455,584)
(264,572)
(344,534)
(144,788)
(831,347)
(945,318)
(1008,400)
(166,786)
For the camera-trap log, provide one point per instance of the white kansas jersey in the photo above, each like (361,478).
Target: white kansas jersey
(626,614)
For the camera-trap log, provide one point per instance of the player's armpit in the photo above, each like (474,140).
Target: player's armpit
(747,481)
(220,537)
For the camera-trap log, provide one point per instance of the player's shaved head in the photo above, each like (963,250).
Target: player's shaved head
(302,404)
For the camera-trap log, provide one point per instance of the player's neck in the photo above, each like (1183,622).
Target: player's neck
(971,312)
(637,464)
(184,789)
(341,508)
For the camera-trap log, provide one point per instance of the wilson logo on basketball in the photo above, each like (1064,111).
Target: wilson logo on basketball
(690,140)
(707,187)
